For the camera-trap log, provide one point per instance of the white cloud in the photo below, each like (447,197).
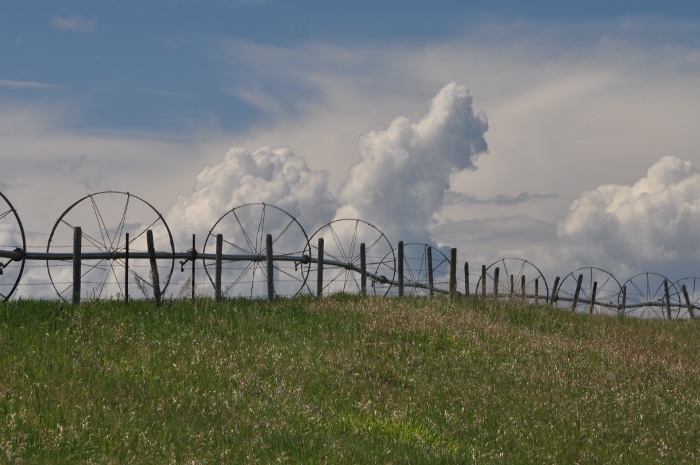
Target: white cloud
(404,171)
(74,23)
(275,176)
(649,226)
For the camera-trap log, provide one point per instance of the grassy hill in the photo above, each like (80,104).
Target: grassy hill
(344,380)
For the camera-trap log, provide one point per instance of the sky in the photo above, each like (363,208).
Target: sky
(564,133)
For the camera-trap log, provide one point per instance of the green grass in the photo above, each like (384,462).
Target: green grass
(344,380)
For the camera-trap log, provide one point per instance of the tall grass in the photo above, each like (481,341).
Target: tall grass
(344,380)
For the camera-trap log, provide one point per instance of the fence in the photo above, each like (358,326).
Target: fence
(259,250)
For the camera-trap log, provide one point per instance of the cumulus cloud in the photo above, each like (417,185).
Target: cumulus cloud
(649,226)
(404,171)
(275,176)
(74,23)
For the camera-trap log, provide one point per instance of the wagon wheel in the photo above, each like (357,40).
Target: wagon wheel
(517,268)
(692,286)
(606,291)
(12,238)
(105,218)
(244,230)
(342,239)
(645,296)
(416,269)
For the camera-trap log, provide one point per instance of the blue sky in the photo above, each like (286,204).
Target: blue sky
(159,65)
(150,97)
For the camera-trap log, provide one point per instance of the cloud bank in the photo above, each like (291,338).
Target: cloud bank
(398,184)
(651,225)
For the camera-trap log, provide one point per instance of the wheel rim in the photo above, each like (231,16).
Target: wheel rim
(516,267)
(107,217)
(606,292)
(244,230)
(11,270)
(645,296)
(342,240)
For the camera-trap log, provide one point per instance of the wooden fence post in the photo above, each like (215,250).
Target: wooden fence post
(495,283)
(483,281)
(217,265)
(593,296)
(431,278)
(319,269)
(400,258)
(537,291)
(688,305)
(555,289)
(578,290)
(194,263)
(522,288)
(453,272)
(466,279)
(668,299)
(77,272)
(126,270)
(621,310)
(363,269)
(512,287)
(270,269)
(154,267)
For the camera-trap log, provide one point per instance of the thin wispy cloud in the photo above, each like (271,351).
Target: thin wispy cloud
(456,198)
(74,23)
(28,85)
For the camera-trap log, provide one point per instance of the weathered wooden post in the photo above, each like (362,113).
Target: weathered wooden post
(537,291)
(688,304)
(217,267)
(453,272)
(154,267)
(400,258)
(668,299)
(270,268)
(555,289)
(126,270)
(194,263)
(319,269)
(429,259)
(593,296)
(363,269)
(579,283)
(466,279)
(512,287)
(483,281)
(495,283)
(522,288)
(621,309)
(77,272)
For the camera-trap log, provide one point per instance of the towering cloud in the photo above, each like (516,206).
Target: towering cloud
(650,226)
(404,171)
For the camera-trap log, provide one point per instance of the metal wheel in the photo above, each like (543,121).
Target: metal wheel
(342,239)
(12,240)
(692,286)
(417,267)
(244,230)
(512,270)
(645,296)
(606,292)
(105,218)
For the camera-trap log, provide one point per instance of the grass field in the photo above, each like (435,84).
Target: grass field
(344,380)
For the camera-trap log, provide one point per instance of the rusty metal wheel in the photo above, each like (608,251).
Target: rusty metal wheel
(244,230)
(105,218)
(12,240)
